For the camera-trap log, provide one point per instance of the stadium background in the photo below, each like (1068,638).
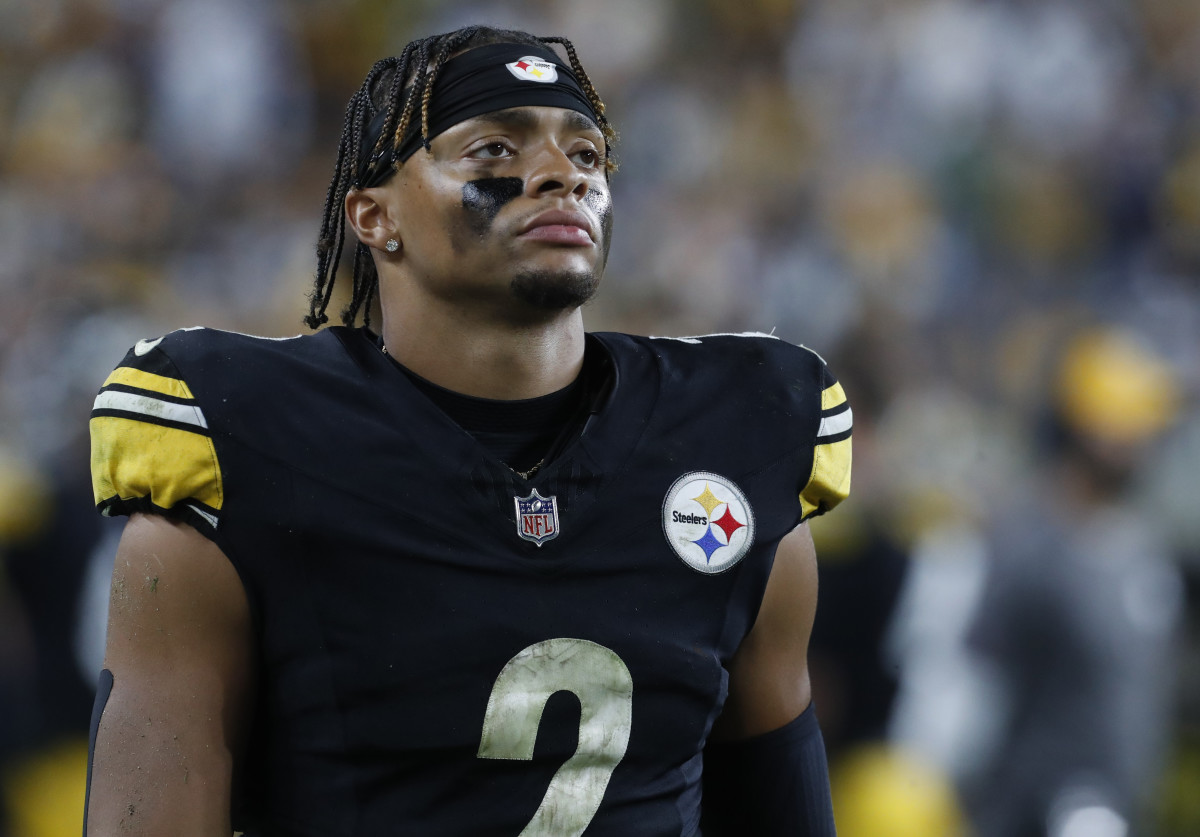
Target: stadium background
(946,197)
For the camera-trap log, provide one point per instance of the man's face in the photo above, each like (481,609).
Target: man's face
(511,206)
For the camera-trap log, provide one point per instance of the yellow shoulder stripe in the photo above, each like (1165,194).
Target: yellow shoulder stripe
(832,396)
(149,381)
(830,480)
(134,459)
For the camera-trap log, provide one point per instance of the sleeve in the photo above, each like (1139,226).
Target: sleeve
(772,784)
(829,482)
(152,450)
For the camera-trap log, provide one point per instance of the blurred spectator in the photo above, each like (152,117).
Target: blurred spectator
(229,99)
(1080,611)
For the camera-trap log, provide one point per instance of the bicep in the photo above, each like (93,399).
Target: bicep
(768,676)
(179,650)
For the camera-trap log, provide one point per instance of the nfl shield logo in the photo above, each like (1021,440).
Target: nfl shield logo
(537,517)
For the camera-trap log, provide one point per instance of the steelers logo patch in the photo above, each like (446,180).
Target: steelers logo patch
(708,522)
(531,68)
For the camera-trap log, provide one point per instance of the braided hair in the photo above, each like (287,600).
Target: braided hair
(401,87)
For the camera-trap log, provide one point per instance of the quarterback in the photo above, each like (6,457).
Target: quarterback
(469,570)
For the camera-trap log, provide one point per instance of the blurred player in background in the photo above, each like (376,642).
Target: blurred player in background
(478,571)
(1081,610)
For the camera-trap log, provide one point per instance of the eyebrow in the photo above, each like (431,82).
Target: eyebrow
(580,122)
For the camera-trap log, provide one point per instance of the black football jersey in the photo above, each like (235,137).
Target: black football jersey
(446,648)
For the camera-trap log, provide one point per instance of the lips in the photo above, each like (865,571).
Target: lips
(559,226)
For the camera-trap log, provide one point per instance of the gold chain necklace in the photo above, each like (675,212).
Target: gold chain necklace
(527,474)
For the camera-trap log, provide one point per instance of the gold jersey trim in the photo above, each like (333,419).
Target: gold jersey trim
(150,444)
(829,482)
(160,384)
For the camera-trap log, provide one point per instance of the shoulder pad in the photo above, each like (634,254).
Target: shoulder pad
(152,450)
(829,482)
(797,374)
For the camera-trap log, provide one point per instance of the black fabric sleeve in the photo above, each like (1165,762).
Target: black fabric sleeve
(103,691)
(771,785)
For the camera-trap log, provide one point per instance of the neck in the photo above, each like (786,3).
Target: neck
(474,352)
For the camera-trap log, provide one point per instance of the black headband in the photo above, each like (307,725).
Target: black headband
(481,80)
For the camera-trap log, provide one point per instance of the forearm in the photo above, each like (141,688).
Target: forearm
(770,785)
(156,771)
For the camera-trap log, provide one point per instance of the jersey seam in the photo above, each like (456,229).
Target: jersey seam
(214,460)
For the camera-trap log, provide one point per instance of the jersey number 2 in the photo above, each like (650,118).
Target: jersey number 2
(601,681)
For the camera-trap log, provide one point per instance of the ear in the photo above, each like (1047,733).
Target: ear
(369,217)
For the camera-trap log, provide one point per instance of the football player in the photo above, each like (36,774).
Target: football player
(474,571)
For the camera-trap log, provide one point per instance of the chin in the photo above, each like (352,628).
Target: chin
(555,290)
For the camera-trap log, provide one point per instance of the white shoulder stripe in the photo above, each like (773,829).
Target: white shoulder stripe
(152,407)
(835,424)
(208,516)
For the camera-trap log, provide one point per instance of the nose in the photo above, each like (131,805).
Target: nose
(553,173)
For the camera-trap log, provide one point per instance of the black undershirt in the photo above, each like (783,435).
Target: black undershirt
(522,434)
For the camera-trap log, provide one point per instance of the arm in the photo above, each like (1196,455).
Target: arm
(765,771)
(768,677)
(179,652)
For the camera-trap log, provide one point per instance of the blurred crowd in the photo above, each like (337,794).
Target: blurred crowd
(985,214)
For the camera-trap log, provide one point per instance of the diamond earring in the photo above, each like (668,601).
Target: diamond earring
(392,245)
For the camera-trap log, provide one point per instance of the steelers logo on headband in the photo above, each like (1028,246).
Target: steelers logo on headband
(532,68)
